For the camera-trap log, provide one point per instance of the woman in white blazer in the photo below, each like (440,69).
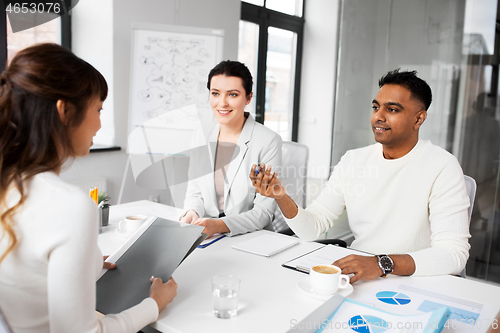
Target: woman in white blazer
(220,196)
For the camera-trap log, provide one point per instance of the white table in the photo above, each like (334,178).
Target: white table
(270,300)
(109,241)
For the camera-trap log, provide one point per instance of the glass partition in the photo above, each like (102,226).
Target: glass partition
(452,51)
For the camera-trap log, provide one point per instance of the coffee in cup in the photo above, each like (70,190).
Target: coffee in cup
(325,269)
(327,279)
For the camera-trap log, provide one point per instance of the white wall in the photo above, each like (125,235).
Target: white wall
(318,84)
(89,32)
(86,25)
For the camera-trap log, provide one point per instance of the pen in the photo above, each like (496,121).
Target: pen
(256,170)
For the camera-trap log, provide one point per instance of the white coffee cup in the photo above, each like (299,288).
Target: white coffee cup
(131,223)
(327,279)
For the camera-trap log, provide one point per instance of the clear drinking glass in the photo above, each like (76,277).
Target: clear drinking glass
(225,292)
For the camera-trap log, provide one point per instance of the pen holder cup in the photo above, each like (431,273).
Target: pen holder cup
(103,217)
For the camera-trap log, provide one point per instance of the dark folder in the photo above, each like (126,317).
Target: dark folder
(157,252)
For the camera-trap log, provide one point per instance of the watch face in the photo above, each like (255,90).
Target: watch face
(386,263)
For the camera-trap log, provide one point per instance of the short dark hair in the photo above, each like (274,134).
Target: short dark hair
(233,68)
(419,89)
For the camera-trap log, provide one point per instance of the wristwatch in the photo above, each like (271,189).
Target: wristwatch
(385,263)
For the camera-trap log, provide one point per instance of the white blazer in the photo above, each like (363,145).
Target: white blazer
(245,210)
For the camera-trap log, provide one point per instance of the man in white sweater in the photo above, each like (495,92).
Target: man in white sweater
(404,197)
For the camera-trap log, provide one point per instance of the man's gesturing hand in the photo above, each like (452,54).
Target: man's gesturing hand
(266,182)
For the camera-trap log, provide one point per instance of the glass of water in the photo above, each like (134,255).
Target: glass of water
(225,293)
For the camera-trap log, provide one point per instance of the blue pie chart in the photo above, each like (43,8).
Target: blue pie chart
(367,324)
(393,298)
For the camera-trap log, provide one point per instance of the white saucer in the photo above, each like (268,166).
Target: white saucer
(123,233)
(305,285)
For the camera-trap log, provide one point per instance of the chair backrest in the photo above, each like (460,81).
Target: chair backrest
(293,177)
(470,184)
(4,326)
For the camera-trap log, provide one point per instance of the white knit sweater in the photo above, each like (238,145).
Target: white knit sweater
(47,284)
(416,204)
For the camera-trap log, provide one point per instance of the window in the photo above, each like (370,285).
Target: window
(56,29)
(270,44)
(290,7)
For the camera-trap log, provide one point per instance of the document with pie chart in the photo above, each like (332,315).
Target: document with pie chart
(466,315)
(356,317)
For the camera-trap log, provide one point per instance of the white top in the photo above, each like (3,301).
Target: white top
(223,156)
(245,210)
(47,283)
(416,204)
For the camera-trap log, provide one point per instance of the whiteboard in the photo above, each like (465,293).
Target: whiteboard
(169,71)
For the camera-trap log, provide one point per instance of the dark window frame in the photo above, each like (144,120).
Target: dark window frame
(65,42)
(266,18)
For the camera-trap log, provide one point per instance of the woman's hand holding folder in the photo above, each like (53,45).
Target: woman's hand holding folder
(162,293)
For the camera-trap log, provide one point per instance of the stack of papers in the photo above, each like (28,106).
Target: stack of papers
(267,245)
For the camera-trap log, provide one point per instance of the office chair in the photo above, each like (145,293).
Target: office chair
(4,326)
(470,184)
(293,177)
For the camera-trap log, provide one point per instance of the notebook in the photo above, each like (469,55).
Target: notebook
(267,245)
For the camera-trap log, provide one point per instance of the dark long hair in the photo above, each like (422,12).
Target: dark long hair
(33,138)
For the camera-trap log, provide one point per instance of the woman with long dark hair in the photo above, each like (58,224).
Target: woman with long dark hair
(50,104)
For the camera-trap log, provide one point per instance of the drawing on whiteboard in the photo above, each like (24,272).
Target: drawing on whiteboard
(169,71)
(168,99)
(176,70)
